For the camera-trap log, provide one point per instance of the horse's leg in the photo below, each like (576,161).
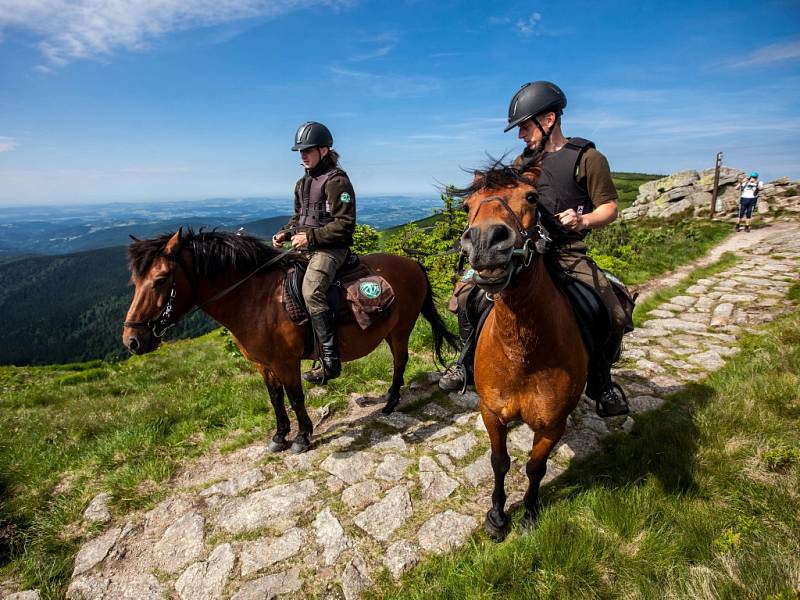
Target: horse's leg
(543,444)
(275,389)
(294,389)
(399,347)
(496,524)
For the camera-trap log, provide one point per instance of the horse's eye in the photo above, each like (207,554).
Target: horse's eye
(159,282)
(532,197)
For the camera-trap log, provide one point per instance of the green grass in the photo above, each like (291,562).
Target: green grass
(627,185)
(726,261)
(636,251)
(701,501)
(72,431)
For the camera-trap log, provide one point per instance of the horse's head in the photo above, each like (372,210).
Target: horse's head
(163,290)
(501,232)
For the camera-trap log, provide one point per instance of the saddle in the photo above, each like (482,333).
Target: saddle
(357,295)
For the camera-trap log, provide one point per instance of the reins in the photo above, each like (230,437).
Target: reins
(160,325)
(529,245)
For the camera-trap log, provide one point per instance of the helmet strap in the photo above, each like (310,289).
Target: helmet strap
(545,134)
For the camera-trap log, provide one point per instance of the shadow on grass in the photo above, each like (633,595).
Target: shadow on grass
(663,445)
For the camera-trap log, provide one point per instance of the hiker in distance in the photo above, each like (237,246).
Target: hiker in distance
(751,188)
(575,188)
(322,228)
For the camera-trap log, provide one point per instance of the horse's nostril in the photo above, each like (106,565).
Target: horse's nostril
(133,344)
(497,235)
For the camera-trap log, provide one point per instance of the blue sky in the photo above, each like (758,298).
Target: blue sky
(188,99)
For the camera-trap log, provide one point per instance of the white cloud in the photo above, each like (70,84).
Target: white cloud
(529,26)
(75,29)
(7,144)
(376,46)
(390,85)
(774,53)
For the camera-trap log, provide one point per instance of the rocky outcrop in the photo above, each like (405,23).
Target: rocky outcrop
(689,193)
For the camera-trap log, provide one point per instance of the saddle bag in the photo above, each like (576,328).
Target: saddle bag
(626,299)
(369,295)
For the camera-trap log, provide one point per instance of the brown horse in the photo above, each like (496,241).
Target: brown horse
(173,273)
(530,361)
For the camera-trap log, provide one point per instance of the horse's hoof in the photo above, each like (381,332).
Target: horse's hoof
(497,532)
(274,446)
(390,406)
(300,445)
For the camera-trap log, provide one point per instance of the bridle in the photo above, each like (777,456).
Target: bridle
(160,324)
(529,242)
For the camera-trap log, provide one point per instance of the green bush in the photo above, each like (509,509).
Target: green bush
(366,239)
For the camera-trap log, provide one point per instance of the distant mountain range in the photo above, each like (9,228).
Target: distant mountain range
(66,229)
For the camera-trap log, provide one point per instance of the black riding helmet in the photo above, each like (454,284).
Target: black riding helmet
(534,99)
(312,135)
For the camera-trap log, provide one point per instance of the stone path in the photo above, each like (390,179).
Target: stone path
(382,491)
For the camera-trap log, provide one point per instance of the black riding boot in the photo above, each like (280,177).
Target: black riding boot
(609,398)
(460,374)
(330,366)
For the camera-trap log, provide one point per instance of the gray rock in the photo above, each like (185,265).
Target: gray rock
(330,535)
(206,580)
(259,508)
(400,557)
(433,481)
(267,552)
(270,586)
(459,447)
(446,531)
(649,366)
(143,587)
(676,208)
(709,360)
(436,410)
(479,471)
(469,399)
(350,467)
(595,423)
(88,587)
(94,551)
(400,420)
(722,314)
(237,485)
(736,298)
(463,419)
(577,445)
(361,494)
(163,515)
(675,324)
(480,426)
(181,543)
(391,442)
(97,511)
(521,438)
(685,301)
(628,425)
(27,595)
(382,518)
(644,403)
(392,468)
(446,462)
(444,432)
(355,578)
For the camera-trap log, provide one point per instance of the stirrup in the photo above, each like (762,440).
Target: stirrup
(612,396)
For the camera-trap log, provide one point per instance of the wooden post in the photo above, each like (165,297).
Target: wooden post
(716,184)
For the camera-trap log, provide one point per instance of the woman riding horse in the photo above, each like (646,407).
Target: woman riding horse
(322,228)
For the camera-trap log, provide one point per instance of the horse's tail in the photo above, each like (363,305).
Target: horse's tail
(441,333)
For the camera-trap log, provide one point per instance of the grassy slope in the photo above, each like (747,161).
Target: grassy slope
(700,502)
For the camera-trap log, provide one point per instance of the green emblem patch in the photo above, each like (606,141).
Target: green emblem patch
(345,197)
(370,289)
(468,275)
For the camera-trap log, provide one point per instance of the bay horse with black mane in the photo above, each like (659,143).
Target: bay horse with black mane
(530,360)
(224,274)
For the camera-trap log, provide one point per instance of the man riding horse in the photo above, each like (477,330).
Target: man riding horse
(322,228)
(576,190)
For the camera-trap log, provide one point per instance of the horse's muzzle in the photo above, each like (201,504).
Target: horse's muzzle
(139,342)
(490,249)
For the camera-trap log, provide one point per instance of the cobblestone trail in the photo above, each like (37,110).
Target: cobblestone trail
(383,491)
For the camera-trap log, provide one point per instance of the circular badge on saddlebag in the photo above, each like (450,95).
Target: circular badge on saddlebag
(370,289)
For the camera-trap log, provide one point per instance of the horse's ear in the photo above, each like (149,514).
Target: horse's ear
(477,177)
(531,172)
(134,238)
(174,243)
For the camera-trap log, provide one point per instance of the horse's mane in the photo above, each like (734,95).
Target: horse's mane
(214,252)
(494,175)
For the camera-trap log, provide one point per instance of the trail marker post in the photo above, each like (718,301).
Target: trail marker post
(716,184)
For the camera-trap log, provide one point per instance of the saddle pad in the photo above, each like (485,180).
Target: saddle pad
(358,294)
